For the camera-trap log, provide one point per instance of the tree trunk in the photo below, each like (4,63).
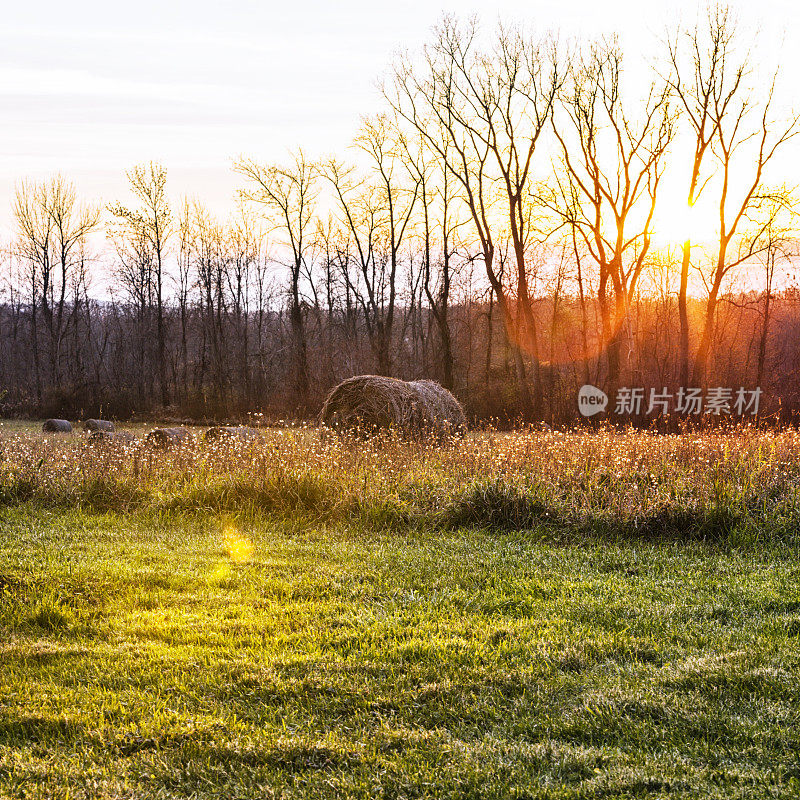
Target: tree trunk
(300,346)
(699,373)
(683,313)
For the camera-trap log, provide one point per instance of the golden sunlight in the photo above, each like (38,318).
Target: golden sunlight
(221,572)
(676,222)
(240,548)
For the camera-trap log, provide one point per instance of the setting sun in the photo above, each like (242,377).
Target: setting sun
(675,222)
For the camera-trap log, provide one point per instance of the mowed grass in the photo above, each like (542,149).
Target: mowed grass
(554,616)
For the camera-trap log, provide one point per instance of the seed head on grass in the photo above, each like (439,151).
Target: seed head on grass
(604,481)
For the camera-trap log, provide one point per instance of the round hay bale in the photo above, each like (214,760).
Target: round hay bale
(57,426)
(111,437)
(232,433)
(371,403)
(444,410)
(167,438)
(98,425)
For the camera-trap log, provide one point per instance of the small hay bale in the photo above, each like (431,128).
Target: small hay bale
(111,437)
(232,433)
(372,403)
(57,426)
(167,438)
(98,425)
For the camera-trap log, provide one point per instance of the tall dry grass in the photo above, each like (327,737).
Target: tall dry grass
(705,485)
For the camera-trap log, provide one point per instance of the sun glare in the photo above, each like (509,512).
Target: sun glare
(240,549)
(679,222)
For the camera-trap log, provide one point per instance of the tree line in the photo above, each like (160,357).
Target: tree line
(495,226)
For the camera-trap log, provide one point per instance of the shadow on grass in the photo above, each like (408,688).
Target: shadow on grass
(277,493)
(100,494)
(501,507)
(714,524)
(25,729)
(54,606)
(494,505)
(130,744)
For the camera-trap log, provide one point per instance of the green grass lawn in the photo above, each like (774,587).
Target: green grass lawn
(176,654)
(547,615)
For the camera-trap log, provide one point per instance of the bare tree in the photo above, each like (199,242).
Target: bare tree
(210,257)
(742,138)
(185,285)
(777,211)
(244,245)
(375,208)
(614,160)
(289,194)
(34,248)
(438,230)
(150,225)
(483,112)
(696,87)
(52,233)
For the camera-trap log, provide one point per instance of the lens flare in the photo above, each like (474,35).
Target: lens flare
(240,548)
(221,572)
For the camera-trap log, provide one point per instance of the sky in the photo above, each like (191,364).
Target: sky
(89,89)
